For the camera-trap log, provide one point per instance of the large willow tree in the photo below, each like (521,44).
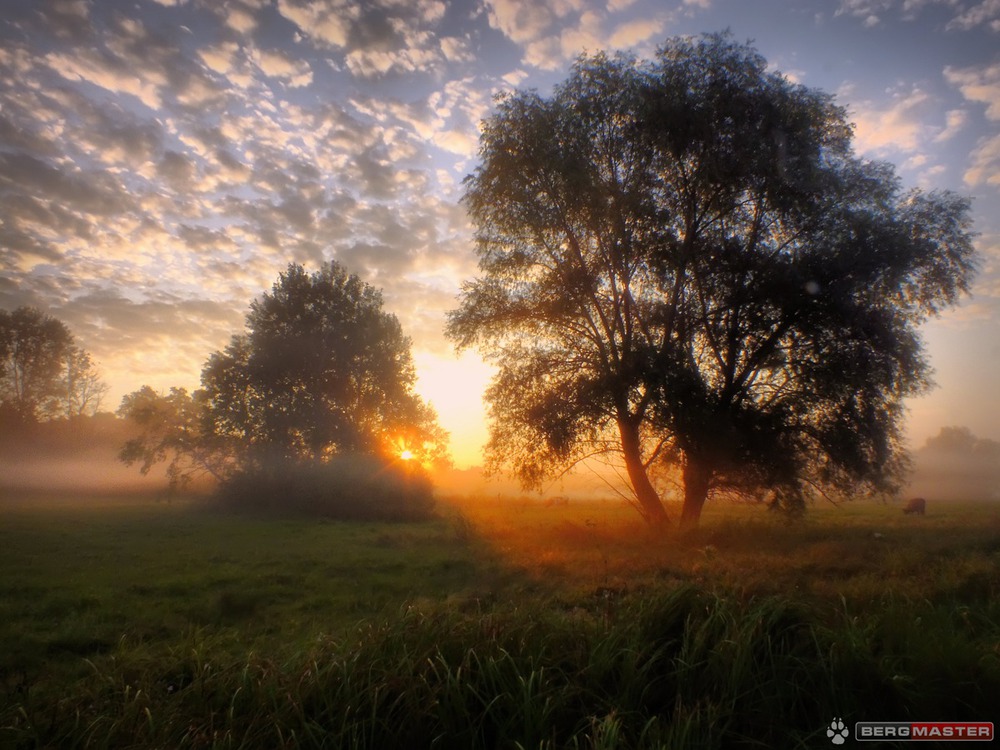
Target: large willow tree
(683,260)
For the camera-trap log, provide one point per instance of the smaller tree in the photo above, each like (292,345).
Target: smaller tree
(321,374)
(955,464)
(33,347)
(321,370)
(175,428)
(84,390)
(43,373)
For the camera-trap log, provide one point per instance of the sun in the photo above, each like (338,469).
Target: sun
(406,455)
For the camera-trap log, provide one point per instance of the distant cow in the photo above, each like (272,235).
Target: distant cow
(915,505)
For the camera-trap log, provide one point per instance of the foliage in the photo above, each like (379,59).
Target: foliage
(683,260)
(321,370)
(43,373)
(176,427)
(358,487)
(322,376)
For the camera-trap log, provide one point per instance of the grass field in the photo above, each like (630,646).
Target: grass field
(129,623)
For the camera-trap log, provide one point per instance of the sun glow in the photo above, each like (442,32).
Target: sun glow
(454,387)
(406,455)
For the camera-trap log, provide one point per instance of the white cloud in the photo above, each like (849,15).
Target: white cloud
(240,20)
(221,57)
(521,21)
(868,10)
(90,67)
(986,13)
(327,22)
(456,50)
(898,126)
(431,12)
(985,158)
(366,63)
(955,120)
(981,85)
(553,33)
(515,77)
(911,8)
(448,118)
(278,64)
(77,8)
(586,36)
(631,33)
(978,84)
(545,54)
(927,179)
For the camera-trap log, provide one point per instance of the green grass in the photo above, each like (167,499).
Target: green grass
(134,624)
(76,581)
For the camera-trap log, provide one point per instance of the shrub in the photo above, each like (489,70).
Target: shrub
(347,487)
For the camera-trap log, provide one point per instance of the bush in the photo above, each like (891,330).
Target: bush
(347,487)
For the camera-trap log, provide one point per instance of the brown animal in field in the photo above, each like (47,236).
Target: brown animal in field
(915,505)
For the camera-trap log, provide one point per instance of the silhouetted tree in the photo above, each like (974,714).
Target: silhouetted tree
(321,371)
(84,390)
(682,260)
(43,373)
(175,427)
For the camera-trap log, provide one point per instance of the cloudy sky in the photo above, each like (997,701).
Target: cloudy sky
(161,161)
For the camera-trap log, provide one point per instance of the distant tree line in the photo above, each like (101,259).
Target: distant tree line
(44,374)
(955,464)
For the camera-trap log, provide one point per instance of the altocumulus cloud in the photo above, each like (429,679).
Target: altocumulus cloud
(160,166)
(162,160)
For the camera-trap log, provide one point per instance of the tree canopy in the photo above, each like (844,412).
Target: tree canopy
(43,373)
(321,371)
(683,261)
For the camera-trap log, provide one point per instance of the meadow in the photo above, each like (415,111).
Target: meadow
(499,624)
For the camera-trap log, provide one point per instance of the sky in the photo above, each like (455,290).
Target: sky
(162,161)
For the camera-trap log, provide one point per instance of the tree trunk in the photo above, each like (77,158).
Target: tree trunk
(649,501)
(697,476)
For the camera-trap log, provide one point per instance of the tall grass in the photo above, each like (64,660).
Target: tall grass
(686,668)
(536,628)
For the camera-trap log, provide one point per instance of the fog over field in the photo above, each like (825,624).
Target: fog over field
(81,457)
(955,464)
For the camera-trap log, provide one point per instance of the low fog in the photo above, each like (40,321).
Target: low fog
(957,465)
(80,456)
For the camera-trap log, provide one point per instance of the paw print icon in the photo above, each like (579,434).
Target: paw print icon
(837,732)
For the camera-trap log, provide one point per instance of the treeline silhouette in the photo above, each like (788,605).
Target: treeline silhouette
(955,464)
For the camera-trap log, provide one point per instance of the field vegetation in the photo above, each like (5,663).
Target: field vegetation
(513,624)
